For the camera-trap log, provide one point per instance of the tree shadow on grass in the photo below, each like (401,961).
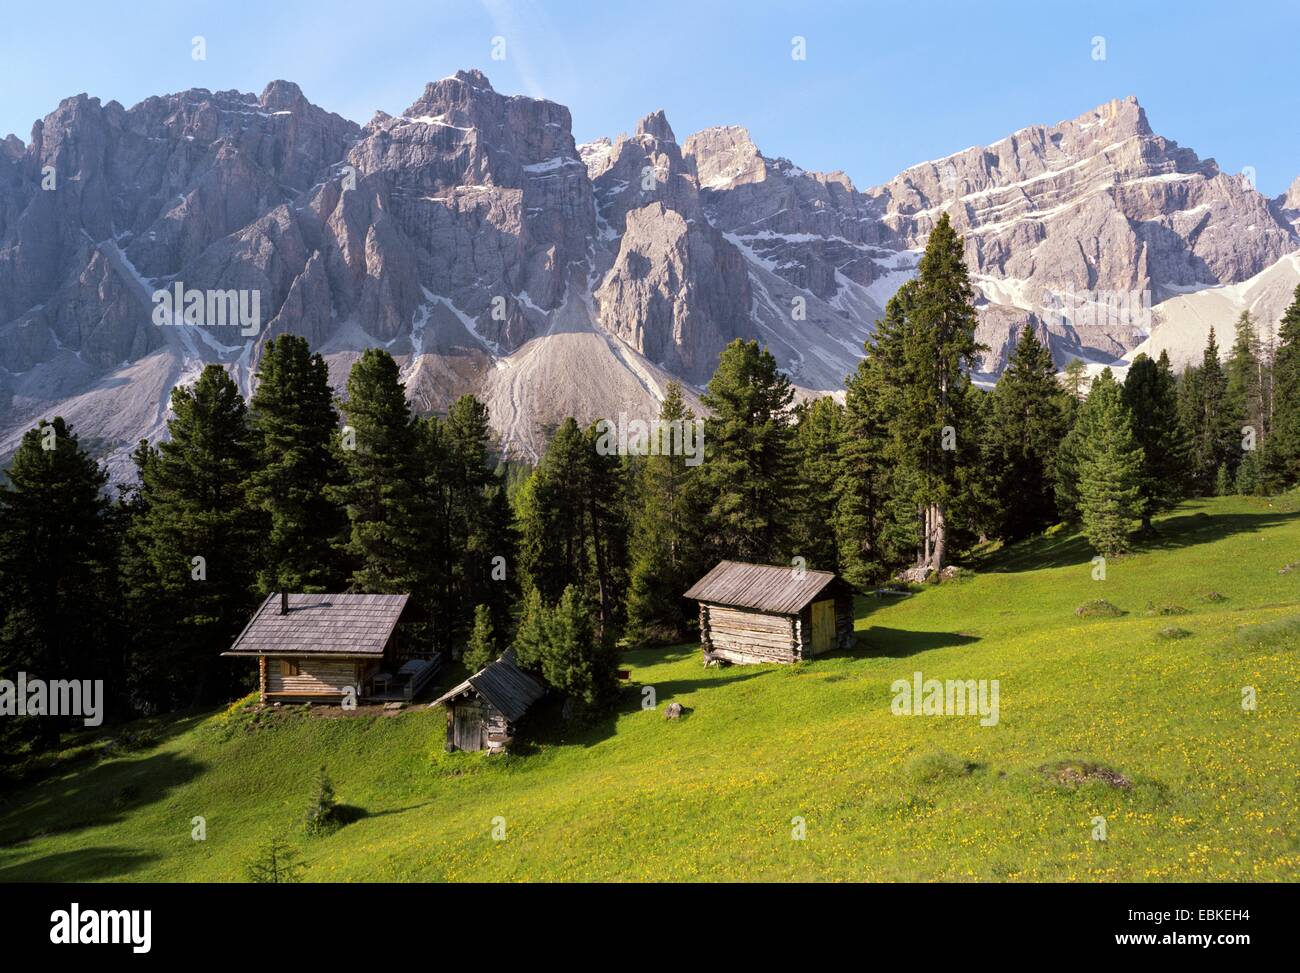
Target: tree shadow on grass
(898,643)
(1169,533)
(103,794)
(84,865)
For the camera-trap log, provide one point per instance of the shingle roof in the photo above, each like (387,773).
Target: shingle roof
(501,683)
(347,624)
(762,587)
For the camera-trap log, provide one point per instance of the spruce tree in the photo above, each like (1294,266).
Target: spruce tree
(1214,437)
(875,518)
(389,530)
(1110,468)
(481,648)
(1282,452)
(573,525)
(199,541)
(816,440)
(748,464)
(296,427)
(1246,382)
(665,545)
(576,661)
(1150,392)
(1027,424)
(57,578)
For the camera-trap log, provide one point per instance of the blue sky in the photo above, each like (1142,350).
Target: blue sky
(884,85)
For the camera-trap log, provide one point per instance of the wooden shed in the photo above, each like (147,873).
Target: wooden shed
(483,710)
(320,648)
(751,613)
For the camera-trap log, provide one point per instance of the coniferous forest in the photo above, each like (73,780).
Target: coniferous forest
(301,488)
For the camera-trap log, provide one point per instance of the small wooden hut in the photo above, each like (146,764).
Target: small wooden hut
(483,710)
(321,648)
(751,613)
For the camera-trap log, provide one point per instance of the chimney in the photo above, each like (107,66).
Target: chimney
(284,603)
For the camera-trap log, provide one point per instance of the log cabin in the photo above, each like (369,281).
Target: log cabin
(753,613)
(482,712)
(322,648)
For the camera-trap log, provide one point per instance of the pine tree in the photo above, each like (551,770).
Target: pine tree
(1027,424)
(481,648)
(530,634)
(390,534)
(1110,468)
(1150,393)
(1213,436)
(748,457)
(573,525)
(57,579)
(934,432)
(1246,382)
(198,541)
(1281,462)
(293,417)
(816,441)
(876,524)
(666,544)
(576,661)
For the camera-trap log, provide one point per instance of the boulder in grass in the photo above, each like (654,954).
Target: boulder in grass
(673,711)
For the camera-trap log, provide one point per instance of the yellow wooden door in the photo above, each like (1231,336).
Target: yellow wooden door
(823,625)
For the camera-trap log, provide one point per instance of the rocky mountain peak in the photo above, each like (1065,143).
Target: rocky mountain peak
(656,126)
(474,78)
(281,96)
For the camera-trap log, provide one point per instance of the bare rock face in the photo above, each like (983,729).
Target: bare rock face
(1288,204)
(1099,205)
(675,290)
(473,238)
(677,293)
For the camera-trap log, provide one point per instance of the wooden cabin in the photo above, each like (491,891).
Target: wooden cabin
(318,648)
(482,711)
(752,613)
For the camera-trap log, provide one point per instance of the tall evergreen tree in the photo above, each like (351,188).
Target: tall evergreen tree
(57,577)
(296,429)
(198,541)
(1150,393)
(390,531)
(1246,380)
(749,461)
(1028,422)
(666,543)
(934,432)
(1110,468)
(1214,436)
(1282,452)
(816,440)
(573,525)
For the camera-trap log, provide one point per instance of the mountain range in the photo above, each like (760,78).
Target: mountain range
(474,239)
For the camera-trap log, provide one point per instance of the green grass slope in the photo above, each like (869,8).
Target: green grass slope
(1212,789)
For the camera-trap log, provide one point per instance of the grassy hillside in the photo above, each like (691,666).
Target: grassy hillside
(1212,791)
